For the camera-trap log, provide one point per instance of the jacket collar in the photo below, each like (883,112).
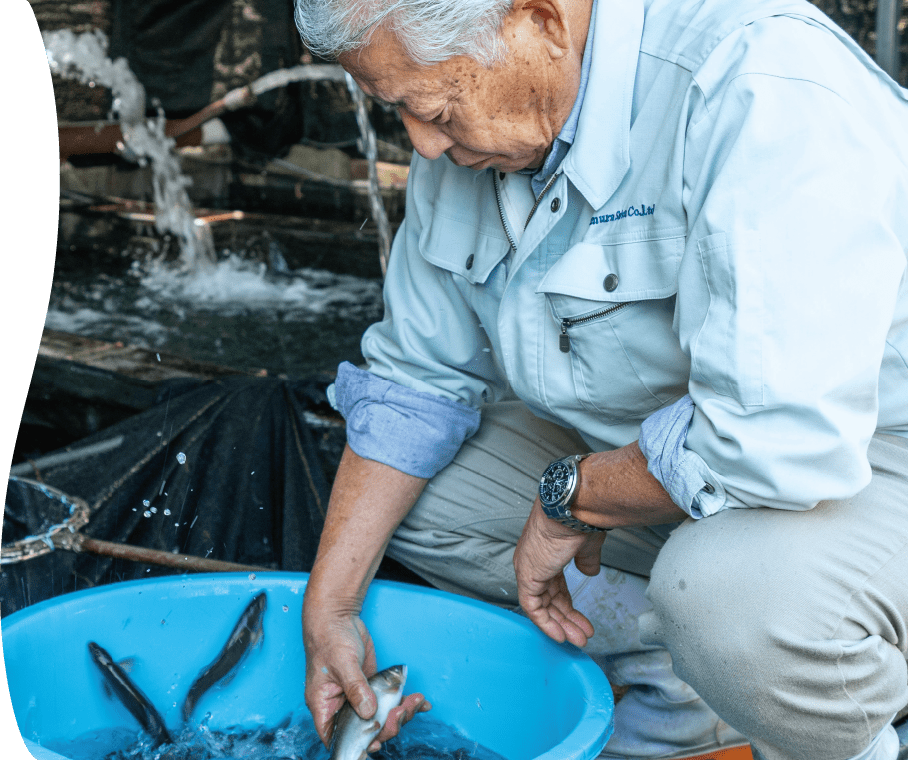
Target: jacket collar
(600,156)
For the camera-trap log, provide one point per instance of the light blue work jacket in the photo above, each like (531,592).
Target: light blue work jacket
(730,223)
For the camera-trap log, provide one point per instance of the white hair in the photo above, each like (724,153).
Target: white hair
(430,31)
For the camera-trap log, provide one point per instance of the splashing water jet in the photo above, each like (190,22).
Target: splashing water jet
(84,57)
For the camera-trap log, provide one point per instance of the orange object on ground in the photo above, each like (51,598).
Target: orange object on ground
(732,753)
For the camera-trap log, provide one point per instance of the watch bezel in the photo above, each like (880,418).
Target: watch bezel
(568,490)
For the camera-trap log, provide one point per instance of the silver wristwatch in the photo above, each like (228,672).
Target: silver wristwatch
(558,489)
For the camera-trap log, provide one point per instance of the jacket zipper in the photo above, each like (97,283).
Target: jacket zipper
(504,221)
(564,340)
(539,199)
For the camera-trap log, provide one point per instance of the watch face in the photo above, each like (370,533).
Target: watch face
(555,482)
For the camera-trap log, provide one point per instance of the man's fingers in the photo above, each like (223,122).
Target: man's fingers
(562,625)
(329,693)
(550,608)
(577,627)
(402,714)
(360,696)
(559,627)
(323,718)
(544,622)
(323,710)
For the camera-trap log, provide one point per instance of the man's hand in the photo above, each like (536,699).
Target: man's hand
(615,490)
(339,657)
(368,501)
(544,548)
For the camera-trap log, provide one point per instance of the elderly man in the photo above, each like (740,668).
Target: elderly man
(671,233)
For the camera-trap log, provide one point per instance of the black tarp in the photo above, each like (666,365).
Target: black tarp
(226,469)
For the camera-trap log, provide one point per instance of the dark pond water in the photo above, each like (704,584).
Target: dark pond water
(238,313)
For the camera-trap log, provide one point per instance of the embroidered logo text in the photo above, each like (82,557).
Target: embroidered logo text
(623,214)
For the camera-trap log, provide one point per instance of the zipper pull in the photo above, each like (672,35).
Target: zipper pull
(564,340)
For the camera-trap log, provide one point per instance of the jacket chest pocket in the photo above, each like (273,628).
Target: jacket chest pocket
(612,313)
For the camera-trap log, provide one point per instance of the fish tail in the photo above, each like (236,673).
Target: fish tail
(188,707)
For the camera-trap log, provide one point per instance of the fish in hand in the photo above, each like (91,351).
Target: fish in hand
(247,632)
(352,734)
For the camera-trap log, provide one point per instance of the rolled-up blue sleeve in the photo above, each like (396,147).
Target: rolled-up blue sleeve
(682,473)
(415,432)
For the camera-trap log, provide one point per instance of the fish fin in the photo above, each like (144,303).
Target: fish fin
(127,663)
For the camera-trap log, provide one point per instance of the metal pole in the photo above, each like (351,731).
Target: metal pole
(888,14)
(52,460)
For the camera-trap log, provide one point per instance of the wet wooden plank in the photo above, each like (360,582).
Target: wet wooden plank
(139,364)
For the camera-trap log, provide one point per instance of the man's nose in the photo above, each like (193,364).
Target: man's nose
(428,140)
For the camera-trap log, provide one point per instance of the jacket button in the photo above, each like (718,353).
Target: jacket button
(556,204)
(470,261)
(611,282)
(709,488)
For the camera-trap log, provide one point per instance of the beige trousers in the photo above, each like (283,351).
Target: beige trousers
(790,625)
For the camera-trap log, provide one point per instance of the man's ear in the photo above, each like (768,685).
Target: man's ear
(552,20)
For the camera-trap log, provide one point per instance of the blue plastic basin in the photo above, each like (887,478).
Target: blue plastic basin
(488,672)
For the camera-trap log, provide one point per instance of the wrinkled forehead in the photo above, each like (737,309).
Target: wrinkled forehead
(381,56)
(378,22)
(384,70)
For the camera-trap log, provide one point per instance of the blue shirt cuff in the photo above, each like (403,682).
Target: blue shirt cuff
(682,473)
(414,432)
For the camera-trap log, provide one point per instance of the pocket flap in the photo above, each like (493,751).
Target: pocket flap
(467,249)
(635,271)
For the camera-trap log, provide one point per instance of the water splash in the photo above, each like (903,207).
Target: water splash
(239,284)
(422,739)
(244,314)
(84,57)
(303,72)
(368,145)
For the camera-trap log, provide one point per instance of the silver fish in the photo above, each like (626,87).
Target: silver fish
(352,734)
(246,634)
